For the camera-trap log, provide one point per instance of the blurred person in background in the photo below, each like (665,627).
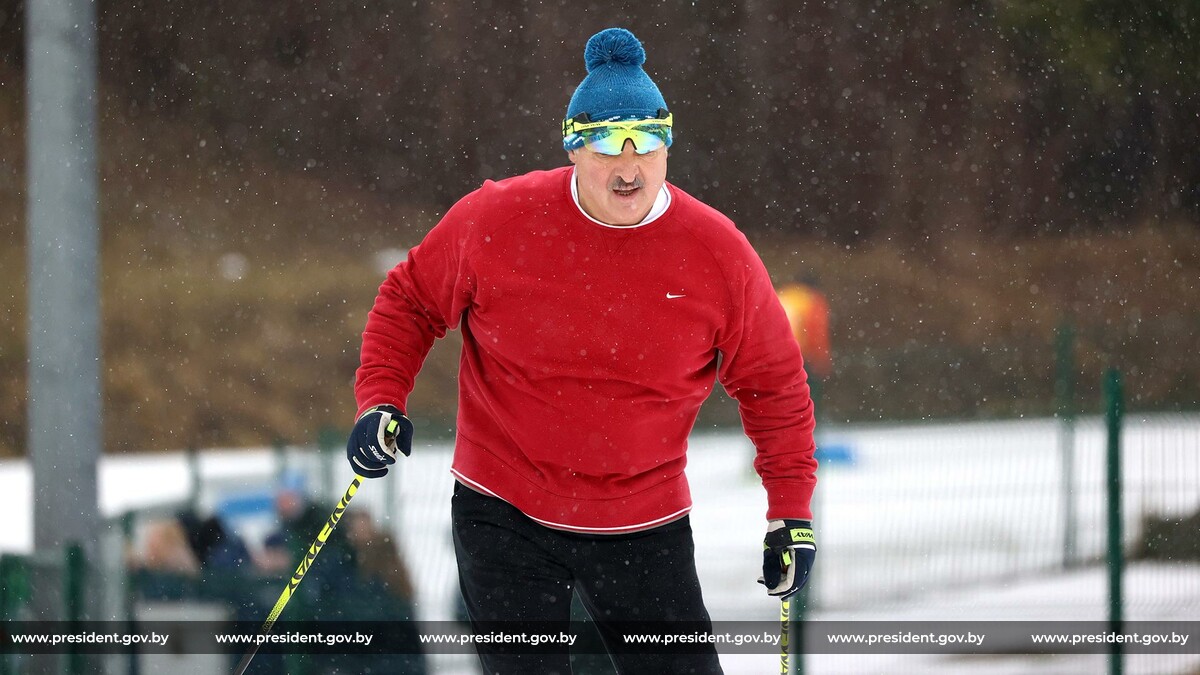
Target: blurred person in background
(808,313)
(327,587)
(598,305)
(383,592)
(166,549)
(378,556)
(189,557)
(188,544)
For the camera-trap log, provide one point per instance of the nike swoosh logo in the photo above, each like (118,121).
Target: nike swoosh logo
(672,296)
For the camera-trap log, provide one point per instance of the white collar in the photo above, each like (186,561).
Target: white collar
(661,202)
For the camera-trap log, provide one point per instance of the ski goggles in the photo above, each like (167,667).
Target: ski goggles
(608,138)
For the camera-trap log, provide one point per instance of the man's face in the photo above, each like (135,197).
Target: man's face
(619,189)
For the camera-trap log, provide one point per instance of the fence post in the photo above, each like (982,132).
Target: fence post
(74,585)
(129,599)
(1064,395)
(14,586)
(279,454)
(194,479)
(799,606)
(1114,413)
(14,592)
(803,601)
(329,440)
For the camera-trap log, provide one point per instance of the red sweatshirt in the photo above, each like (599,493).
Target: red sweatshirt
(588,350)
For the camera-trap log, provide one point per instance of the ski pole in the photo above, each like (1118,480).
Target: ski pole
(298,575)
(785,624)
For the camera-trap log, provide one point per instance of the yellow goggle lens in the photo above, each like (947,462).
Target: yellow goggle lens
(608,138)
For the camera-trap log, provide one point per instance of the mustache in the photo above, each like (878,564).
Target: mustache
(619,184)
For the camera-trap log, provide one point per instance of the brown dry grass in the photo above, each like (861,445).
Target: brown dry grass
(194,356)
(964,326)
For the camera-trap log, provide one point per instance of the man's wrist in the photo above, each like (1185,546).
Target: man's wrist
(386,407)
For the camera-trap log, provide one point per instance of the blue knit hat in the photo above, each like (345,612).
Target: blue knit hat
(616,87)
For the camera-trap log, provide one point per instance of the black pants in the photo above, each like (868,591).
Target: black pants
(512,569)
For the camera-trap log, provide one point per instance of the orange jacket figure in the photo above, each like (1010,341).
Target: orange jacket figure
(808,312)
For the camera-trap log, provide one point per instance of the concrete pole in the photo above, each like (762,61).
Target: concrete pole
(64,353)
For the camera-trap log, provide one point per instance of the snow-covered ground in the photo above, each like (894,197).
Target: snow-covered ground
(914,522)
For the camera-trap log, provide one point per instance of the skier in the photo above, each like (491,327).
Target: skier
(598,304)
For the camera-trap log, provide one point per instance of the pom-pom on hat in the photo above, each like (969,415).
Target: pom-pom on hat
(616,87)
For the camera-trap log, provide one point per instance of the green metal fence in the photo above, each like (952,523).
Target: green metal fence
(920,515)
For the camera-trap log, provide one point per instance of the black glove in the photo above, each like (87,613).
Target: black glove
(788,553)
(377,435)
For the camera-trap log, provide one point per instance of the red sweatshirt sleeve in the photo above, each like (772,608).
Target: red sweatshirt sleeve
(420,300)
(763,370)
